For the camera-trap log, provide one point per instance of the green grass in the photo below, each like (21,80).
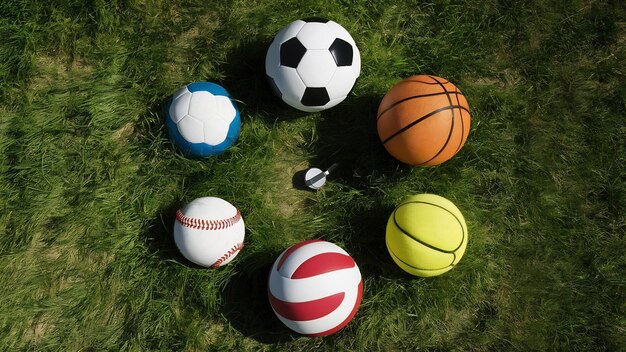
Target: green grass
(89,182)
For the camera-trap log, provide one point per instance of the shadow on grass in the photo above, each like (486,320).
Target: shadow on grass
(297,181)
(366,244)
(347,135)
(245,79)
(245,303)
(244,298)
(160,236)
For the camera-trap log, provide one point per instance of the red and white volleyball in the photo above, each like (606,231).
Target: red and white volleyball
(315,288)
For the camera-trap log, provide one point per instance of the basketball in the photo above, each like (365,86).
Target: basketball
(423,120)
(315,288)
(426,235)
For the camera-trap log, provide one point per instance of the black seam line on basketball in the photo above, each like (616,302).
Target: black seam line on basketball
(434,112)
(458,102)
(418,240)
(451,124)
(418,81)
(434,79)
(449,212)
(410,98)
(413,266)
(425,244)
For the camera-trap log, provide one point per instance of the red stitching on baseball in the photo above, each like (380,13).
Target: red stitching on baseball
(202,224)
(228,254)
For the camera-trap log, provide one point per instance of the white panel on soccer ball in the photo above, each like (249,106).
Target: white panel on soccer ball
(298,105)
(316,35)
(342,33)
(272,60)
(334,102)
(341,83)
(316,68)
(339,32)
(202,105)
(289,32)
(191,129)
(311,108)
(180,105)
(215,131)
(289,83)
(356,61)
(224,108)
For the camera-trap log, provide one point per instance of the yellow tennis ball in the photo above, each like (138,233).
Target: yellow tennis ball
(426,235)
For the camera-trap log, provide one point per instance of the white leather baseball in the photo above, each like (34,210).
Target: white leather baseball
(209,231)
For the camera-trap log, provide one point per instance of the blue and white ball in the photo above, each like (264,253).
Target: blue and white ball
(202,119)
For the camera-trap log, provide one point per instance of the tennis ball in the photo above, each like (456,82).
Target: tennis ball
(426,235)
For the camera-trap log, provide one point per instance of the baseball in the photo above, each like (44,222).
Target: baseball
(209,231)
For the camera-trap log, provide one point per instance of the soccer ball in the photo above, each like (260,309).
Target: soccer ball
(312,64)
(202,119)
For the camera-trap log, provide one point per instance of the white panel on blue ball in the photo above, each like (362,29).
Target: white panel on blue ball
(202,119)
(181,108)
(315,48)
(191,129)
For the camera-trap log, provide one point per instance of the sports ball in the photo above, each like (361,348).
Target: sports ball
(315,288)
(209,231)
(310,175)
(312,64)
(426,235)
(423,120)
(202,119)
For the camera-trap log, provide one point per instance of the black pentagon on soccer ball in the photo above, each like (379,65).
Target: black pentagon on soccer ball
(315,19)
(270,80)
(315,97)
(291,52)
(341,51)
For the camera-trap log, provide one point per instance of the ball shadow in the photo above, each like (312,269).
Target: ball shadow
(297,181)
(245,79)
(366,244)
(159,236)
(347,135)
(254,317)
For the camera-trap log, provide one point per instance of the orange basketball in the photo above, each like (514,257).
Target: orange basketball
(423,120)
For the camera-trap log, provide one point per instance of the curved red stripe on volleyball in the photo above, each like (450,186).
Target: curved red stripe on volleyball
(348,319)
(292,249)
(323,263)
(301,311)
